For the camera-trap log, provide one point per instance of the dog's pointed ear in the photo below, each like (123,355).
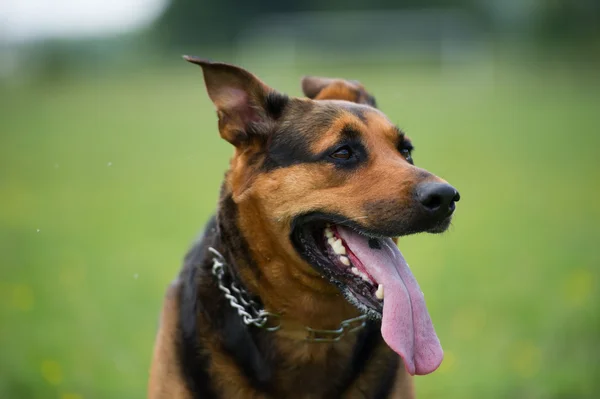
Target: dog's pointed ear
(313,85)
(318,88)
(246,107)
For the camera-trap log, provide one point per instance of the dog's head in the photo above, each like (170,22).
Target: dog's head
(328,184)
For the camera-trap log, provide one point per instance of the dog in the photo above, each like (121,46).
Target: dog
(297,288)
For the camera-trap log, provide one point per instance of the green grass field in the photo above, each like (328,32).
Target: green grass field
(104,181)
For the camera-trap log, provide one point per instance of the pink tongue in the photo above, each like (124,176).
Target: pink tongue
(406,326)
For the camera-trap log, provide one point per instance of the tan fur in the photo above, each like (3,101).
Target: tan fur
(318,88)
(165,377)
(404,386)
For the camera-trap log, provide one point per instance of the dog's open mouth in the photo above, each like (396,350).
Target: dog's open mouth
(372,274)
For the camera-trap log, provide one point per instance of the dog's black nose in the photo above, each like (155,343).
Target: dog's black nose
(437,198)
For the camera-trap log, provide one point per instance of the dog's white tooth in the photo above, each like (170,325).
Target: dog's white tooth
(345,260)
(331,240)
(339,248)
(354,270)
(379,292)
(328,233)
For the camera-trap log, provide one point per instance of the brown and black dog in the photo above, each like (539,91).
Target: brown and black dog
(317,192)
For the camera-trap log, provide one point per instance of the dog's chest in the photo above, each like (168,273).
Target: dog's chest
(339,370)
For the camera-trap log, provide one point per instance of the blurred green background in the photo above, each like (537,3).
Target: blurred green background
(110,163)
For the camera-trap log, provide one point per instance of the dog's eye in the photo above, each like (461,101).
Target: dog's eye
(344,152)
(406,153)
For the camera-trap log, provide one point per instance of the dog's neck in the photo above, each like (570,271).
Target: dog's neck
(266,269)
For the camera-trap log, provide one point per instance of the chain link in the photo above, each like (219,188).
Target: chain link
(248,310)
(346,327)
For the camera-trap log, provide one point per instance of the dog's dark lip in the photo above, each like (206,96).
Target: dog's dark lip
(439,227)
(338,220)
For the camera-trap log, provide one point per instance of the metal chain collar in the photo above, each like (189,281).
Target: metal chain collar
(252,314)
(238,298)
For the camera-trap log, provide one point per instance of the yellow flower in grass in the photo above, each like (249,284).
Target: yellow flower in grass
(52,372)
(578,287)
(526,359)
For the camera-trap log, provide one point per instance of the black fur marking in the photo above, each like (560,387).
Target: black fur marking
(286,148)
(350,133)
(388,378)
(358,112)
(290,144)
(194,361)
(240,342)
(290,147)
(232,237)
(275,103)
(366,342)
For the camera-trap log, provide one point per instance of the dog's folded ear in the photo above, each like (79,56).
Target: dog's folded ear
(245,105)
(318,88)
